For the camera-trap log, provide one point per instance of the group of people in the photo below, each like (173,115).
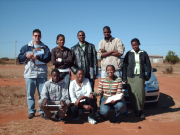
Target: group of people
(65,96)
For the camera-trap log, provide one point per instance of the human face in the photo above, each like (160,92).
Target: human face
(36,37)
(107,33)
(81,37)
(80,76)
(135,46)
(61,41)
(110,71)
(55,77)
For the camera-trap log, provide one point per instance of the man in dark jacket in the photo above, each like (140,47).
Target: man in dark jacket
(35,55)
(84,56)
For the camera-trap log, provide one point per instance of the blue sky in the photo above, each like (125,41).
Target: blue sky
(156,23)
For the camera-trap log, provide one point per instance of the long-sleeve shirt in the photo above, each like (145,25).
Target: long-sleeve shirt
(66,56)
(77,91)
(110,88)
(112,44)
(55,91)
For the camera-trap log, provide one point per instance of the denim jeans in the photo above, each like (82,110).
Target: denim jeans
(105,109)
(31,84)
(118,74)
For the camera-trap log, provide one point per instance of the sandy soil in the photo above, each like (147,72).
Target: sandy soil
(163,119)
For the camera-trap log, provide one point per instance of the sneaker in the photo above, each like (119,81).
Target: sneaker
(96,115)
(141,114)
(31,115)
(125,113)
(42,115)
(59,119)
(92,121)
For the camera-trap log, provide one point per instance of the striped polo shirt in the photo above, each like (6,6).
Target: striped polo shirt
(105,85)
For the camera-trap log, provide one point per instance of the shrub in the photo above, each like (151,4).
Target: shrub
(172,58)
(168,70)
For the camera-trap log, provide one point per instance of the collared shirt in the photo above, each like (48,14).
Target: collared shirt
(82,45)
(77,91)
(55,91)
(137,62)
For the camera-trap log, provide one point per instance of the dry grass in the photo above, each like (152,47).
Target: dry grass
(30,127)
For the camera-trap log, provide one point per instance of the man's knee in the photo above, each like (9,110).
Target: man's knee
(104,111)
(119,106)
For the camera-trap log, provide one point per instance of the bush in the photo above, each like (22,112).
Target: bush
(172,58)
(5,59)
(168,70)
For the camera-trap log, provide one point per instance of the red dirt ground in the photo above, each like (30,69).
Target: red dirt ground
(163,119)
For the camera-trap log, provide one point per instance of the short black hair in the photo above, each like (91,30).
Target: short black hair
(106,27)
(37,30)
(60,35)
(111,66)
(135,39)
(55,70)
(80,31)
(79,69)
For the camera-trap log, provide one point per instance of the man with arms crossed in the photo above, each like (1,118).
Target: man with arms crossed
(35,73)
(110,51)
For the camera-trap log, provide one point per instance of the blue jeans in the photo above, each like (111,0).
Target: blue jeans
(118,74)
(105,109)
(66,77)
(31,84)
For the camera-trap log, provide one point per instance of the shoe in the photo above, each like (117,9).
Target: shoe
(141,114)
(31,115)
(57,118)
(92,121)
(96,115)
(116,119)
(125,113)
(42,115)
(105,118)
(135,114)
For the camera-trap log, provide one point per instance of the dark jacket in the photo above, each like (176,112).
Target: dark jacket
(65,55)
(46,57)
(129,65)
(84,59)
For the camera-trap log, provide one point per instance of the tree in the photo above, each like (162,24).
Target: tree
(172,58)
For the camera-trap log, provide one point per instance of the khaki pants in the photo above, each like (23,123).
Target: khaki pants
(61,109)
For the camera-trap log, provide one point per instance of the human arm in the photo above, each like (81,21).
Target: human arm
(73,66)
(124,69)
(46,57)
(44,93)
(148,66)
(22,55)
(95,62)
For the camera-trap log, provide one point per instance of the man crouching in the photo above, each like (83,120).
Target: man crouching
(54,96)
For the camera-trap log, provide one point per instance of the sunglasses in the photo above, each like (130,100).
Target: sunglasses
(37,35)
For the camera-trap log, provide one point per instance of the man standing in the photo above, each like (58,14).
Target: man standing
(85,57)
(35,55)
(110,51)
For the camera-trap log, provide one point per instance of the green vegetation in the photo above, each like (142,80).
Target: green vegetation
(172,58)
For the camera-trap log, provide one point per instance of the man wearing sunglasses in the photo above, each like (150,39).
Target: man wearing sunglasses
(35,55)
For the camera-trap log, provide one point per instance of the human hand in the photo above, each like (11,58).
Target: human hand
(87,107)
(77,102)
(125,82)
(61,103)
(45,102)
(103,50)
(35,57)
(91,96)
(29,56)
(113,102)
(115,51)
